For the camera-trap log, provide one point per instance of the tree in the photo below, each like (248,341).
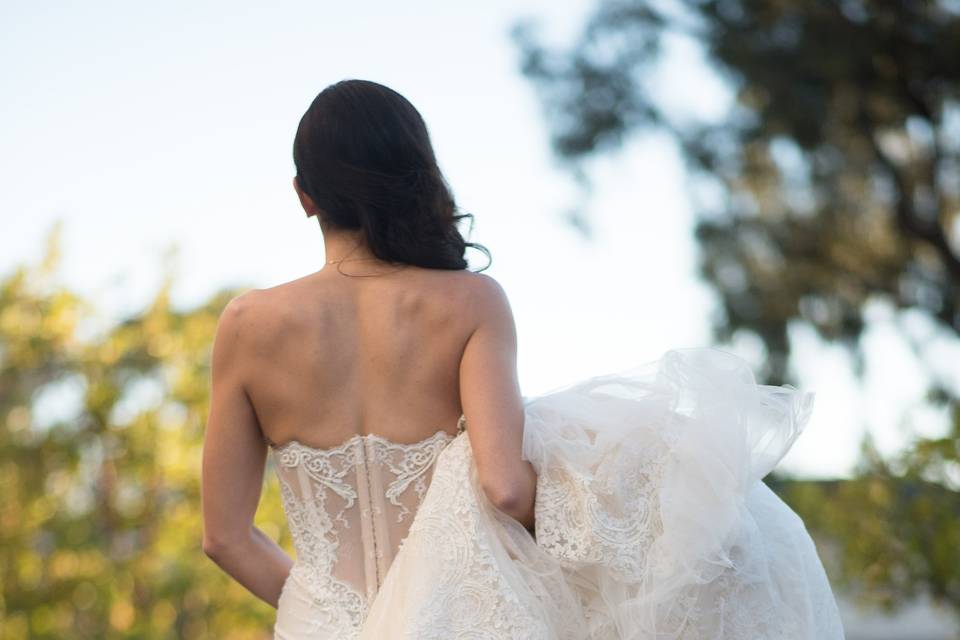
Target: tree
(837,166)
(895,525)
(100,530)
(835,182)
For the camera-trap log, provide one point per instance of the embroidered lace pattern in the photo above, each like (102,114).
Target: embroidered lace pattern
(458,579)
(348,509)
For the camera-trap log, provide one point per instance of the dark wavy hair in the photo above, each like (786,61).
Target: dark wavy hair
(364,156)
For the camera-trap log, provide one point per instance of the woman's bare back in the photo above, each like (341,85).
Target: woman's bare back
(332,356)
(359,383)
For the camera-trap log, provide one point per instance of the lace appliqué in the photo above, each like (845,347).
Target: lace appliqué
(607,513)
(409,464)
(469,594)
(311,478)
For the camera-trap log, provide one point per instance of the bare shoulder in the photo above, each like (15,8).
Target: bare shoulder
(283,292)
(486,297)
(278,304)
(482,282)
(244,306)
(259,313)
(242,316)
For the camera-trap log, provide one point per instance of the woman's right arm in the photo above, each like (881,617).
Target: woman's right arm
(493,405)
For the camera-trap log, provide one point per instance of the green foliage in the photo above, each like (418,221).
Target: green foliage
(100,524)
(892,532)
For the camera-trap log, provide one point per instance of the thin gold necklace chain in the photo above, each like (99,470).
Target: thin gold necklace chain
(362,275)
(354,260)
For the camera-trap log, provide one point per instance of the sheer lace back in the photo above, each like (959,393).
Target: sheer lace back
(349,508)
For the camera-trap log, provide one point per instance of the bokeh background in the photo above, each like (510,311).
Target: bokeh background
(777,178)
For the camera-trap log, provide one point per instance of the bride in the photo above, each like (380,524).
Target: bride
(426,497)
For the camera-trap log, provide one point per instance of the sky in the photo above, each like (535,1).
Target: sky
(160,135)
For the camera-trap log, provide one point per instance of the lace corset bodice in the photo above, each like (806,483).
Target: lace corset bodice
(348,509)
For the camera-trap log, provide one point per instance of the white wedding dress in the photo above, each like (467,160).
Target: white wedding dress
(652,522)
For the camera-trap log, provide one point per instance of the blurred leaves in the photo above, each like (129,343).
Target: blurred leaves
(892,533)
(100,525)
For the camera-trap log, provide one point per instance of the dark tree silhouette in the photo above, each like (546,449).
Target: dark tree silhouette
(834,182)
(839,166)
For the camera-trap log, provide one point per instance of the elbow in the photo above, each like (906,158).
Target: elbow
(511,500)
(233,541)
(215,546)
(512,494)
(212,547)
(503,498)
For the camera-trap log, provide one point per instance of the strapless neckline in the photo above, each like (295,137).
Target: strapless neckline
(349,507)
(352,440)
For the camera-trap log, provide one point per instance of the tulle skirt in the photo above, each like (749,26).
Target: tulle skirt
(652,520)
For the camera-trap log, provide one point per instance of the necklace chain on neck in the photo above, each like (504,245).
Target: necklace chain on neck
(353,260)
(362,275)
(346,258)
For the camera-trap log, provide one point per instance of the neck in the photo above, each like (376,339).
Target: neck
(346,244)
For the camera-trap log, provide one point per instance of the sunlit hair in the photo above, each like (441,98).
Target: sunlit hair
(363,154)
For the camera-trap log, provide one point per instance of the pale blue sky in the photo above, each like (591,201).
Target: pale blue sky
(143,125)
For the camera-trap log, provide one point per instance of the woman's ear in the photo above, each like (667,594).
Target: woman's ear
(309,206)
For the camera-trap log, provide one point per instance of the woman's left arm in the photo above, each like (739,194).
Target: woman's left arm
(234,455)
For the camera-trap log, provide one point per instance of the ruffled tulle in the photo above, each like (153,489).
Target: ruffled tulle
(652,520)
(650,485)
